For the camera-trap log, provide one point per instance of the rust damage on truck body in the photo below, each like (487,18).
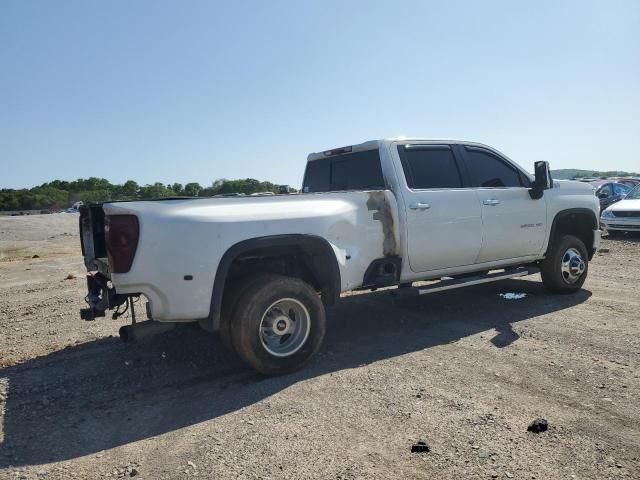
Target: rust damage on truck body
(383,271)
(379,204)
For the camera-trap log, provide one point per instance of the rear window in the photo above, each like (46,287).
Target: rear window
(350,171)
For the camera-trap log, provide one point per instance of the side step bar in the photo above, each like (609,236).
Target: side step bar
(451,283)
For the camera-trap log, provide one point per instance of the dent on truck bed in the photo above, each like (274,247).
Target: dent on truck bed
(378,203)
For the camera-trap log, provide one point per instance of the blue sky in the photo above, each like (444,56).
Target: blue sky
(200,90)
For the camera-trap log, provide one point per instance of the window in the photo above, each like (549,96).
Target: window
(351,171)
(489,171)
(427,166)
(620,189)
(634,194)
(606,188)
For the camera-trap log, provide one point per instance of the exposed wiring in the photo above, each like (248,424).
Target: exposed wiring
(117,314)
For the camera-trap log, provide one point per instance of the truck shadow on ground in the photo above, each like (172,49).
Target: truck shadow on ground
(103,394)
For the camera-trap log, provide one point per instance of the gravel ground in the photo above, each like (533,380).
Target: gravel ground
(466,371)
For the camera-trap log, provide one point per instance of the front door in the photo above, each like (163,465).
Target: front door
(444,220)
(514,224)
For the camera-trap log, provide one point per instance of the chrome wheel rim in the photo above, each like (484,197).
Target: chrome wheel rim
(284,327)
(572,266)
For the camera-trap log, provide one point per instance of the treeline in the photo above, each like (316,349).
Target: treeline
(606,174)
(569,173)
(63,194)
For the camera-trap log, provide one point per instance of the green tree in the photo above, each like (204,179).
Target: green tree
(157,190)
(192,189)
(130,189)
(62,193)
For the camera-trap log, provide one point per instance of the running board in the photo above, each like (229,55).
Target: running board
(451,283)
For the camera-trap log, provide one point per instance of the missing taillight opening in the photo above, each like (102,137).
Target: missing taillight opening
(121,232)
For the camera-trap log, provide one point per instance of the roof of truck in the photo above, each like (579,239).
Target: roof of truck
(371,144)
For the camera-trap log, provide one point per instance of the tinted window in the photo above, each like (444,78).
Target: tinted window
(525,181)
(317,176)
(429,167)
(487,170)
(351,171)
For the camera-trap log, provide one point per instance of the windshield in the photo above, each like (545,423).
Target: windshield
(634,194)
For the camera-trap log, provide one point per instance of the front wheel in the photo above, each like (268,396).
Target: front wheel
(565,268)
(278,324)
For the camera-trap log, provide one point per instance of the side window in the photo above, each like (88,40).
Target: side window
(620,189)
(428,166)
(489,171)
(525,181)
(606,188)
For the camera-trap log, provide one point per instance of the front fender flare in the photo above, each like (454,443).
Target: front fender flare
(567,213)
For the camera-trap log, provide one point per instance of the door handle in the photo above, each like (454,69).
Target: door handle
(491,201)
(420,206)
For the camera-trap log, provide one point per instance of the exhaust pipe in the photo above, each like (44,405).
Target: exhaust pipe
(148,328)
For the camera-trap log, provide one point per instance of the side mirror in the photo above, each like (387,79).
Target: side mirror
(542,181)
(603,195)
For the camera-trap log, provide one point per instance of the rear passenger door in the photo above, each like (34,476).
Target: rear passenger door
(513,224)
(443,219)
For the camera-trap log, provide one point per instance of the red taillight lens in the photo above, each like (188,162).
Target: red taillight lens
(121,232)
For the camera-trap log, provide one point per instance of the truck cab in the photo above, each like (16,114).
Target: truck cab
(462,205)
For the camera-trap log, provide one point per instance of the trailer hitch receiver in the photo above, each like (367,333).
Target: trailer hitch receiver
(101,296)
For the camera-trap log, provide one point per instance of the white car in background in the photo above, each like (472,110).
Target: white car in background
(623,216)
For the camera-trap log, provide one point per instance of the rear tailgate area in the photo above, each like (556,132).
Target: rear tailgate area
(92,238)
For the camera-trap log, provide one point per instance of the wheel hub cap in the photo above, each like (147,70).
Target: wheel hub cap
(572,266)
(284,327)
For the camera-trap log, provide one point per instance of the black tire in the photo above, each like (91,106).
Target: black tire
(226,313)
(553,277)
(229,302)
(247,323)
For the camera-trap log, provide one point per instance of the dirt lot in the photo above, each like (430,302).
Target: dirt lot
(466,371)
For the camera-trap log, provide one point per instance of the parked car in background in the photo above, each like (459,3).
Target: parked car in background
(631,182)
(623,216)
(594,182)
(611,192)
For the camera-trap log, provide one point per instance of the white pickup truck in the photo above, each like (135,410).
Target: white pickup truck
(260,269)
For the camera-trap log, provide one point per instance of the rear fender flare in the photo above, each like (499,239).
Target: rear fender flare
(324,264)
